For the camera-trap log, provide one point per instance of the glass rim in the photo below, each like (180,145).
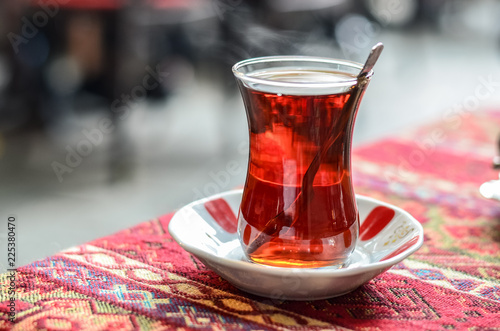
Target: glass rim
(298,58)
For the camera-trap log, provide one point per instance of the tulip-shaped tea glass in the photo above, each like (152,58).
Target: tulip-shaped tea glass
(298,207)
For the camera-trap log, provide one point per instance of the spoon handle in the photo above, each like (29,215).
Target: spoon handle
(372,59)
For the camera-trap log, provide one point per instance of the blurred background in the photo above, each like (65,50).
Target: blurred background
(113,112)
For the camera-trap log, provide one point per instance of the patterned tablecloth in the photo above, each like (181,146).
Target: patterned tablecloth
(140,278)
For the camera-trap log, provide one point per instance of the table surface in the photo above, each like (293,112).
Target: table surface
(140,278)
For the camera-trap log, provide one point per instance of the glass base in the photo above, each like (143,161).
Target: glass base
(304,264)
(289,252)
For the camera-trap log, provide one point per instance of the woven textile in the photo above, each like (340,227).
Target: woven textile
(140,278)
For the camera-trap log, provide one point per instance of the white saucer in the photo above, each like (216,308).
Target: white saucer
(207,229)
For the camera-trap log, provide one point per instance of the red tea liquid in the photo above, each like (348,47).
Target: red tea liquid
(283,221)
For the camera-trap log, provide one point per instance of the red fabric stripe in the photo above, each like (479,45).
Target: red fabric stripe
(378,218)
(411,159)
(172,4)
(403,248)
(222,213)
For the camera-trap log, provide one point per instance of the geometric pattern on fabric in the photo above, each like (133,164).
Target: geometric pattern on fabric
(140,279)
